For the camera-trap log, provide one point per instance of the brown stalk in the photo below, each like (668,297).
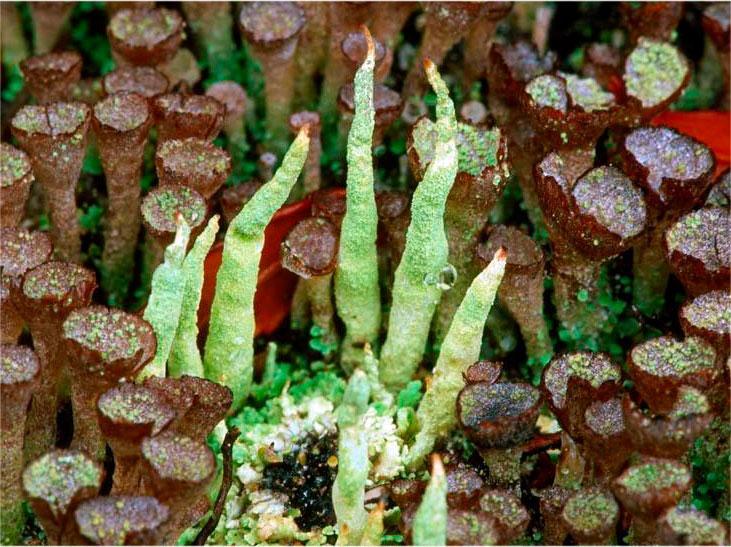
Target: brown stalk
(180,116)
(146,37)
(16,176)
(479,38)
(104,346)
(311,178)
(14,44)
(46,296)
(606,440)
(114,7)
(394,216)
(18,379)
(272,31)
(212,26)
(234,98)
(387,26)
(50,77)
(121,123)
(49,19)
(54,136)
(311,53)
(511,517)
(182,70)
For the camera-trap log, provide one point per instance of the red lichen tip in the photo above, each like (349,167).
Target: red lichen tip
(428,64)
(501,254)
(369,40)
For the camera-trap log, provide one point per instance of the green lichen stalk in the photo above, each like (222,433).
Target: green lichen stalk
(357,293)
(166,299)
(416,290)
(461,348)
(348,492)
(229,350)
(430,521)
(184,355)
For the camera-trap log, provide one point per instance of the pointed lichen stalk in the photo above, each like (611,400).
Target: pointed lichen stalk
(16,177)
(461,348)
(19,375)
(348,491)
(212,26)
(166,299)
(50,77)
(54,136)
(121,123)
(386,102)
(185,358)
(48,19)
(229,348)
(430,521)
(416,289)
(357,293)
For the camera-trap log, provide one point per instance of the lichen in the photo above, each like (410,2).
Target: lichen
(654,71)
(656,475)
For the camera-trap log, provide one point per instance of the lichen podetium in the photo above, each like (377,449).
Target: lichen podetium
(415,291)
(357,292)
(430,521)
(461,348)
(184,355)
(166,299)
(229,351)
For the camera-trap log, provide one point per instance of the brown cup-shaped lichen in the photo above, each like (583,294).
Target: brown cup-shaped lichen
(180,116)
(18,379)
(650,19)
(88,91)
(698,248)
(179,469)
(689,526)
(234,198)
(511,517)
(54,136)
(659,367)
(591,516)
(16,177)
(353,50)
(486,372)
(386,102)
(128,413)
(20,251)
(646,490)
(708,316)
(232,96)
(311,178)
(199,404)
(474,113)
(47,295)
(605,438)
(182,71)
(121,123)
(716,22)
(104,346)
(521,290)
(329,203)
(669,435)
(143,80)
(476,50)
(551,503)
(310,250)
(48,19)
(571,382)
(272,29)
(55,484)
(147,37)
(50,77)
(122,520)
(191,162)
(674,170)
(464,485)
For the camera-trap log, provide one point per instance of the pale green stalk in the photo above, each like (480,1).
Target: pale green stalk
(348,492)
(357,293)
(229,352)
(185,358)
(461,348)
(430,520)
(166,299)
(370,367)
(416,290)
(374,526)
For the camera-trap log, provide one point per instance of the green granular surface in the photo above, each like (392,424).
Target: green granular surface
(145,28)
(19,365)
(720,194)
(58,476)
(161,206)
(56,280)
(665,356)
(695,527)
(22,250)
(53,119)
(476,148)
(705,235)
(711,311)
(595,368)
(122,112)
(110,520)
(609,196)
(548,91)
(134,404)
(690,402)
(653,72)
(605,417)
(655,476)
(587,93)
(505,507)
(176,457)
(590,510)
(113,333)
(482,402)
(14,165)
